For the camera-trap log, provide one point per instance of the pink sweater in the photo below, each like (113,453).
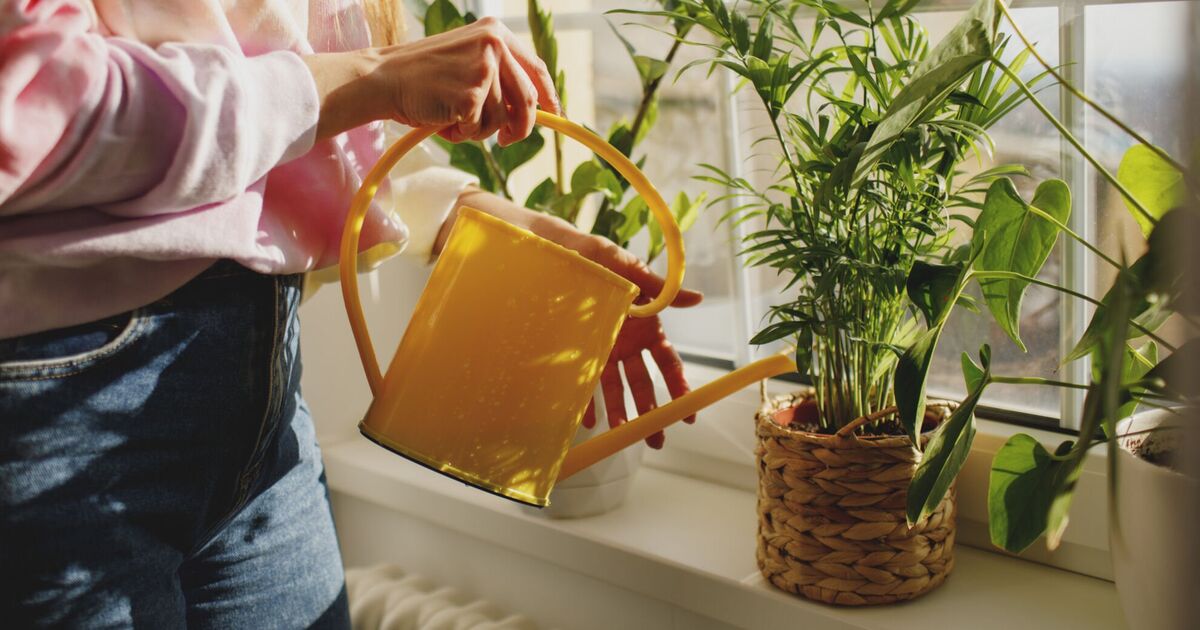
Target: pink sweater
(140,140)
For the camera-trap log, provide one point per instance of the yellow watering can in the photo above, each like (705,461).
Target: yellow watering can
(506,344)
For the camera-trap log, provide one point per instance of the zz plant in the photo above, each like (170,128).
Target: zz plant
(621,215)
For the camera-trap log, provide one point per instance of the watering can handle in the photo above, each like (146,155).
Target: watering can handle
(362,201)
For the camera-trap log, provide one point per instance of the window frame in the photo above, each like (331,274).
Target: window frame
(1078,267)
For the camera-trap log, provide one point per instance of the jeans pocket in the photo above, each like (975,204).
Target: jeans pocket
(67,351)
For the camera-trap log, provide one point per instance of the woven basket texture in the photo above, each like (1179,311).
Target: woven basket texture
(831,521)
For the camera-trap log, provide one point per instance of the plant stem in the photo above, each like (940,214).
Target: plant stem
(1080,95)
(495,169)
(1075,143)
(648,95)
(1033,380)
(1012,275)
(1082,241)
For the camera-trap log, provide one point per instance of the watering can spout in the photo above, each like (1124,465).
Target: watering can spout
(655,420)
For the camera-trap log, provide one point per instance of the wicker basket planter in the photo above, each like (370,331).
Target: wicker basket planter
(831,524)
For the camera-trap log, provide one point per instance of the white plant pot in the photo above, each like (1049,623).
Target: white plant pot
(600,488)
(1149,532)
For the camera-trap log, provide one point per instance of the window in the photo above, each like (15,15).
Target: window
(1129,56)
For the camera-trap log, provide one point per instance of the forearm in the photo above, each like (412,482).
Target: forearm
(344,90)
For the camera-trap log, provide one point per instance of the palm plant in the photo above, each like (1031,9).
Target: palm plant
(872,127)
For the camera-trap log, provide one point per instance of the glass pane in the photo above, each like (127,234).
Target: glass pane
(1135,67)
(1023,137)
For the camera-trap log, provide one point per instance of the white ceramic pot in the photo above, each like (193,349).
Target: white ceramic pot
(1149,531)
(600,488)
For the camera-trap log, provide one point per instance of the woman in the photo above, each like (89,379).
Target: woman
(167,170)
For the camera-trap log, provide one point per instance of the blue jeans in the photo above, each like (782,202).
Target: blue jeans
(159,469)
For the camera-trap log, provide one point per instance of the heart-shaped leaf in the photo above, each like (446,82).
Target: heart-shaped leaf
(1156,184)
(1010,237)
(1025,483)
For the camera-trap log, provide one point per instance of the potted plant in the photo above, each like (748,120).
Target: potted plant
(872,126)
(620,216)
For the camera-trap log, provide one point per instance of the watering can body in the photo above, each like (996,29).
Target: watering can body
(500,358)
(506,345)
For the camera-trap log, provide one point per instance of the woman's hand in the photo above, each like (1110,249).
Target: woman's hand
(636,335)
(475,80)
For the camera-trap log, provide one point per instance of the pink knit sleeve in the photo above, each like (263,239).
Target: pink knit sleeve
(109,123)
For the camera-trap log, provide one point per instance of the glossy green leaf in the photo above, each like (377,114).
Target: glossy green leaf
(1153,181)
(649,69)
(636,213)
(1138,363)
(442,16)
(894,8)
(591,177)
(912,372)
(1147,309)
(948,448)
(1024,484)
(518,153)
(1009,237)
(609,224)
(545,43)
(932,286)
(469,157)
(541,195)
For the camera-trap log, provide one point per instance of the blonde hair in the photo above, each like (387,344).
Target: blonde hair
(386,21)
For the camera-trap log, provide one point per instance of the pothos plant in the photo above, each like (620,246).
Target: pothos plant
(621,215)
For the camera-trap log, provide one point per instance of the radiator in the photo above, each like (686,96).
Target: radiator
(384,597)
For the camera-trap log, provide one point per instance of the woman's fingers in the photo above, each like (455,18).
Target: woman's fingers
(625,264)
(640,384)
(589,415)
(535,70)
(520,97)
(642,387)
(671,368)
(614,395)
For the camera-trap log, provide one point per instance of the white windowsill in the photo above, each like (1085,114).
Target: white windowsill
(690,543)
(719,448)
